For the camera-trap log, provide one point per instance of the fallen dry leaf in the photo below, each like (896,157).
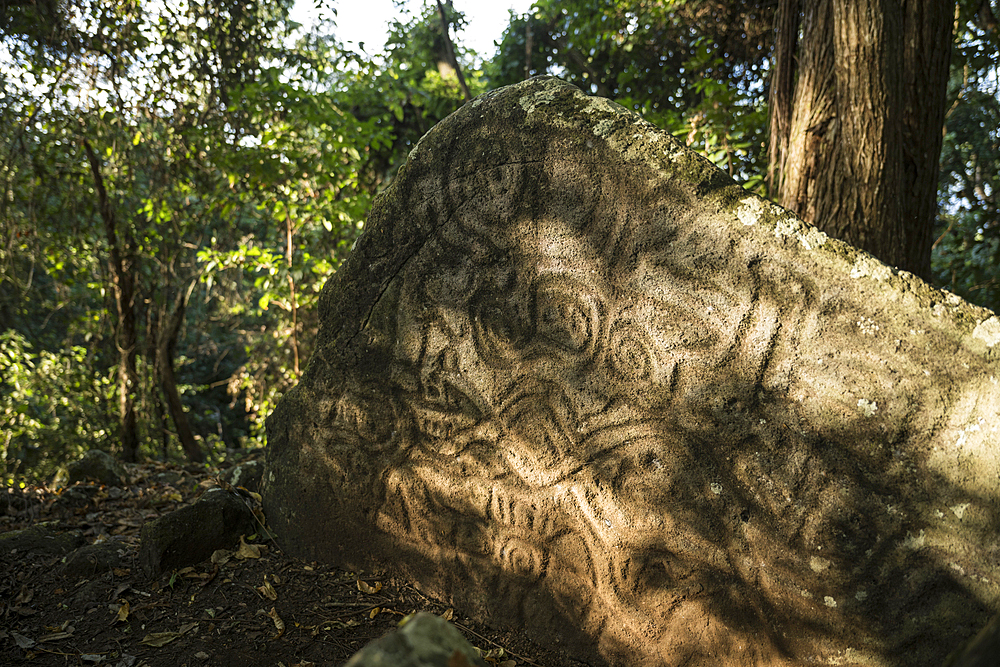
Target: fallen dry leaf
(247,550)
(221,556)
(267,590)
(24,597)
(158,639)
(258,514)
(209,577)
(122,611)
(278,623)
(365,587)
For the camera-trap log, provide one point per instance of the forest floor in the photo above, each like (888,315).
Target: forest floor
(228,613)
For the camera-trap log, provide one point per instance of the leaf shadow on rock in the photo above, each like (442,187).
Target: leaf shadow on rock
(561,390)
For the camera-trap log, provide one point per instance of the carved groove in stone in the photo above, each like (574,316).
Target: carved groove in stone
(572,381)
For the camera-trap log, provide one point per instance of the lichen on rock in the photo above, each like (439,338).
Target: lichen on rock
(575,379)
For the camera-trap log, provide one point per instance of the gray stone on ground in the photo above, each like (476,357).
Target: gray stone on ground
(191,534)
(425,640)
(43,539)
(575,380)
(98,466)
(247,474)
(94,559)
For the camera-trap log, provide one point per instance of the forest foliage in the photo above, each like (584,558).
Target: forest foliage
(180,179)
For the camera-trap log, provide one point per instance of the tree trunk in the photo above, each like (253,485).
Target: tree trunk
(168,381)
(160,416)
(123,287)
(855,140)
(292,297)
(449,49)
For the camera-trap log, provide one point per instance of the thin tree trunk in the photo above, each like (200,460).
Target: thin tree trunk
(858,154)
(168,381)
(450,50)
(929,32)
(152,338)
(123,287)
(782,85)
(291,294)
(529,47)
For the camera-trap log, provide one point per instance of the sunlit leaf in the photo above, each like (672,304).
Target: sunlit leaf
(365,587)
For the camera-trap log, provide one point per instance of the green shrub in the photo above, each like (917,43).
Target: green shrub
(53,408)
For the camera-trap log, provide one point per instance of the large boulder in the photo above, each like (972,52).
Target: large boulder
(574,379)
(189,535)
(100,466)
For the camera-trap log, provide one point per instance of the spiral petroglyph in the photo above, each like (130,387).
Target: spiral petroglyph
(573,379)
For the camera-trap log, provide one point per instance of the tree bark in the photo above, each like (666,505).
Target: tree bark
(123,287)
(152,336)
(855,140)
(782,83)
(168,381)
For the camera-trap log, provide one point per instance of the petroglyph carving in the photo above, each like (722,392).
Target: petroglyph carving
(572,381)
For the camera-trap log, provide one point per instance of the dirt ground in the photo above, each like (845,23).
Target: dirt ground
(252,607)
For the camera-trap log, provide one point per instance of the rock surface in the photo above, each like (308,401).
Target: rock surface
(982,651)
(247,475)
(45,539)
(425,640)
(576,380)
(190,534)
(98,466)
(93,559)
